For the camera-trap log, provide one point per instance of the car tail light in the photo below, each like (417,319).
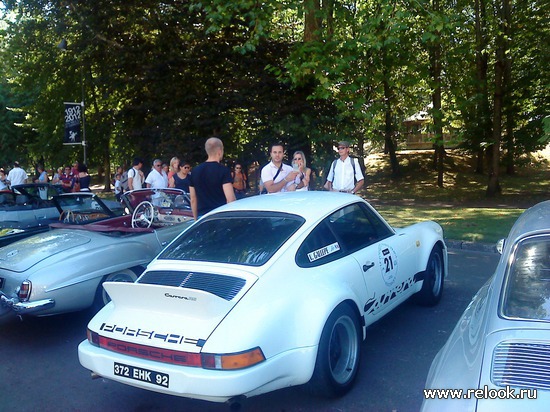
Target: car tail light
(24,291)
(93,337)
(226,361)
(232,360)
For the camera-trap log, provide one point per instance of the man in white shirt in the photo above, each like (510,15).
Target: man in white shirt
(345,174)
(276,176)
(135,175)
(17,176)
(157,178)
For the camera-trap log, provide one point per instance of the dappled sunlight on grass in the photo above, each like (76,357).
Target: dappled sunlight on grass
(461,205)
(470,224)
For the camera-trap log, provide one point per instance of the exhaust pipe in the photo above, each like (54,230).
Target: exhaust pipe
(95,375)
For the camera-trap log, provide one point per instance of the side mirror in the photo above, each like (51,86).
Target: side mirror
(500,245)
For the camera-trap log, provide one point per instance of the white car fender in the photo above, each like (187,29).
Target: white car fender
(264,318)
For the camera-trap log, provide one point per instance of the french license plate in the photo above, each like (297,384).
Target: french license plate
(141,374)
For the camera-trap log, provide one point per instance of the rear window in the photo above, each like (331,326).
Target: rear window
(527,290)
(245,238)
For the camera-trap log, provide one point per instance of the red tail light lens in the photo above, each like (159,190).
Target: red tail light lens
(24,291)
(93,337)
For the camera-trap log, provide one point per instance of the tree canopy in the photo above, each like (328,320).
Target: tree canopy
(159,77)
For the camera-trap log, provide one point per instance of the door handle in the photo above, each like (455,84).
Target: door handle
(367,266)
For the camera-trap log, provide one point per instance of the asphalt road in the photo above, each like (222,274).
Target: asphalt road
(39,368)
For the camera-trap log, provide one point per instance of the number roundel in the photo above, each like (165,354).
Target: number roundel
(388,263)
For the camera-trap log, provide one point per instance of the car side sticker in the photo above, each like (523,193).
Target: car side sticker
(324,251)
(388,263)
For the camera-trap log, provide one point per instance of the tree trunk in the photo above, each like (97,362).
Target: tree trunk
(435,59)
(493,187)
(389,144)
(483,131)
(312,21)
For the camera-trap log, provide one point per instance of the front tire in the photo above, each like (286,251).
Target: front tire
(432,288)
(101,296)
(339,353)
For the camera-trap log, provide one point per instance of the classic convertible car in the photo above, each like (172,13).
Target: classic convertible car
(63,270)
(26,209)
(498,356)
(264,293)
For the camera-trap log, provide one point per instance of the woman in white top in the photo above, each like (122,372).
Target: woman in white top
(302,180)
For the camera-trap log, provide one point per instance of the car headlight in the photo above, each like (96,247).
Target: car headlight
(226,361)
(24,291)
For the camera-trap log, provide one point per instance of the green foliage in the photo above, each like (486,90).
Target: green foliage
(158,78)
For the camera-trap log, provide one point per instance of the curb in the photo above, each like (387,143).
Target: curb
(473,246)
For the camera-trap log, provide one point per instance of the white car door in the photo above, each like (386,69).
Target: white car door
(382,256)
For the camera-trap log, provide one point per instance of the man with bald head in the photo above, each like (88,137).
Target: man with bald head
(210,183)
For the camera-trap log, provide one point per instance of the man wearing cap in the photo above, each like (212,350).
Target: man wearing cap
(17,176)
(345,174)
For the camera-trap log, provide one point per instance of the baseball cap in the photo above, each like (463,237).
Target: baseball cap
(344,143)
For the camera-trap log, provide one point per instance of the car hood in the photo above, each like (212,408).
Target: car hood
(23,255)
(188,310)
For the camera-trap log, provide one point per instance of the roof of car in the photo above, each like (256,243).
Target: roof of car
(534,219)
(309,204)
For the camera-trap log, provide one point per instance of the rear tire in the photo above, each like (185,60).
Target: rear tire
(101,296)
(432,288)
(339,353)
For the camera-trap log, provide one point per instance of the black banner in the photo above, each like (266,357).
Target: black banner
(73,117)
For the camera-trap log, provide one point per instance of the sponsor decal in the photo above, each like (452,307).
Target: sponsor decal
(373,305)
(388,263)
(324,251)
(151,335)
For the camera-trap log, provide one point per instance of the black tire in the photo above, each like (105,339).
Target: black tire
(101,296)
(434,276)
(339,353)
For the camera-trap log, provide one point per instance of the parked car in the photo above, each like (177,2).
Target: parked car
(63,269)
(26,209)
(264,293)
(498,356)
(29,209)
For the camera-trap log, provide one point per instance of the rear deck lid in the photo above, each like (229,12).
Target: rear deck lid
(180,315)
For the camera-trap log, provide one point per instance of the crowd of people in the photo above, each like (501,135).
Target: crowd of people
(211,183)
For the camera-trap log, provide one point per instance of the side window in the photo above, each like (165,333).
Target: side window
(319,247)
(356,226)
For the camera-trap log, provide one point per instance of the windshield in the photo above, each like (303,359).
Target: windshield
(527,292)
(246,238)
(85,203)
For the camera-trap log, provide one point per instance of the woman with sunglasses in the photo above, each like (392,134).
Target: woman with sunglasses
(239,181)
(299,163)
(180,180)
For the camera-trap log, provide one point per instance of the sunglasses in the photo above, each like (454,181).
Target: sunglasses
(237,167)
(158,165)
(342,147)
(186,167)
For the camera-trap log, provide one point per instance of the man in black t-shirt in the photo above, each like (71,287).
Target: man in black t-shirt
(210,183)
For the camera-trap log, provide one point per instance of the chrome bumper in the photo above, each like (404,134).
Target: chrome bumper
(24,308)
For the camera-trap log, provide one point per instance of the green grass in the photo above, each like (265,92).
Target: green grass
(461,206)
(486,225)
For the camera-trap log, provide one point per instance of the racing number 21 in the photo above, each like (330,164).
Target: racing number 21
(388,261)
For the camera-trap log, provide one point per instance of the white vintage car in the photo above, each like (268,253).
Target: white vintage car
(264,293)
(498,356)
(63,269)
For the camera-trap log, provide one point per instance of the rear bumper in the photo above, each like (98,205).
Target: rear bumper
(23,308)
(293,367)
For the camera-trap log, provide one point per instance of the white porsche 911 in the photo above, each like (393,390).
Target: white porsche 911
(264,293)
